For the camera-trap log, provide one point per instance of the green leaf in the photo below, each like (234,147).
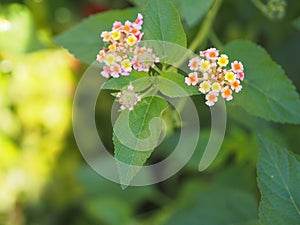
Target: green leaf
(162,22)
(173,85)
(218,206)
(83,40)
(278,180)
(134,146)
(296,23)
(193,11)
(109,209)
(140,81)
(267,91)
(98,187)
(139,2)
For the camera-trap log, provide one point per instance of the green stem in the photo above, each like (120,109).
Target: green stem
(202,34)
(206,26)
(199,39)
(259,5)
(159,71)
(215,40)
(151,91)
(164,67)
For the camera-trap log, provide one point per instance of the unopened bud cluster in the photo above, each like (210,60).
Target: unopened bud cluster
(275,9)
(128,98)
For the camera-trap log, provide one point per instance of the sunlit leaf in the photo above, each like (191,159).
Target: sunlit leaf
(83,40)
(162,22)
(191,11)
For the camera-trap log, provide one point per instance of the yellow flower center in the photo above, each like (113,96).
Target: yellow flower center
(223,61)
(126,64)
(229,76)
(112,48)
(131,40)
(216,87)
(110,59)
(205,65)
(205,86)
(116,35)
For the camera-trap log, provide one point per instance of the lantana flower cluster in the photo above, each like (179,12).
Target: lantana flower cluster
(121,53)
(215,76)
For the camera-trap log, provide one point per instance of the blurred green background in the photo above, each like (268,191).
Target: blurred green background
(44,179)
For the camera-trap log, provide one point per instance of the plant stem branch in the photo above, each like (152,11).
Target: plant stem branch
(215,40)
(159,71)
(203,32)
(259,5)
(206,26)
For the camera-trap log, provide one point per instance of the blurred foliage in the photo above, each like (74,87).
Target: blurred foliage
(43,179)
(35,113)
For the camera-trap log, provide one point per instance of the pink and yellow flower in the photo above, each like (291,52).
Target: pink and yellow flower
(106,36)
(115,70)
(192,79)
(126,65)
(237,67)
(112,48)
(106,72)
(127,28)
(216,87)
(101,56)
(117,25)
(212,98)
(227,93)
(230,76)
(116,34)
(194,63)
(212,54)
(240,75)
(204,87)
(223,60)
(235,85)
(110,59)
(138,22)
(131,40)
(204,65)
